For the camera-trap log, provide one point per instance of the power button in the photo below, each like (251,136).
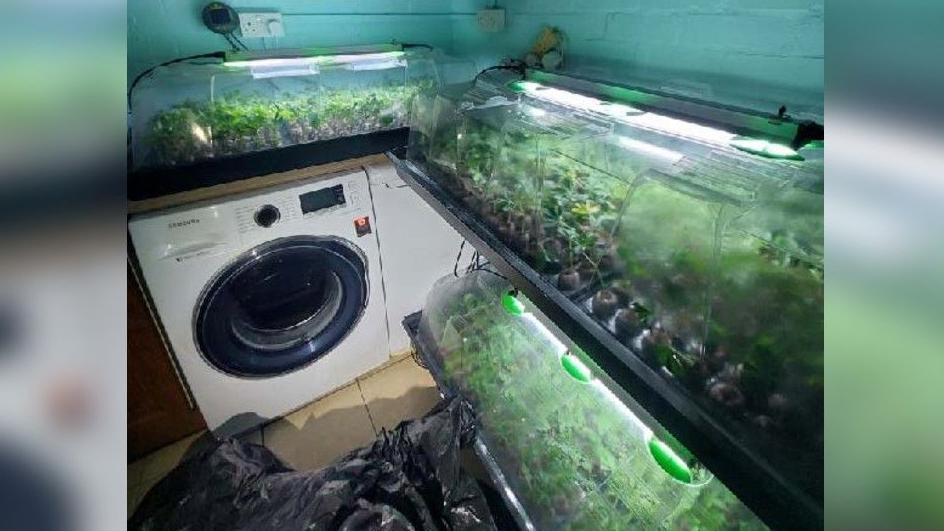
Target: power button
(362,226)
(266,215)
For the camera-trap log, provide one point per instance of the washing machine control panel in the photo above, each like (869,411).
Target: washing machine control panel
(273,210)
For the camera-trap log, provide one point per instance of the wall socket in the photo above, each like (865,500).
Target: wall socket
(259,24)
(491,20)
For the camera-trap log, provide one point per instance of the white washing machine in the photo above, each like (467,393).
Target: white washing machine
(270,299)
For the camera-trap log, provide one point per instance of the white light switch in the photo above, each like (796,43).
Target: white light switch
(261,24)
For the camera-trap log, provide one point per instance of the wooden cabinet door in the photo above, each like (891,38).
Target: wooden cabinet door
(158,410)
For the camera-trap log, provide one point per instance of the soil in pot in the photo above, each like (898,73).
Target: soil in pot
(604,304)
(521,241)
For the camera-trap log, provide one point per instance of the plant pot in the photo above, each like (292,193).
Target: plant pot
(493,221)
(568,280)
(604,304)
(623,291)
(535,226)
(548,257)
(727,394)
(657,347)
(778,405)
(717,358)
(587,270)
(507,231)
(521,242)
(628,323)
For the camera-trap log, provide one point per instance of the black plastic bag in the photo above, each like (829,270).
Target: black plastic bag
(408,479)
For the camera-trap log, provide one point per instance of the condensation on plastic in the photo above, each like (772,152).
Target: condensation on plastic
(408,479)
(572,452)
(198,110)
(711,257)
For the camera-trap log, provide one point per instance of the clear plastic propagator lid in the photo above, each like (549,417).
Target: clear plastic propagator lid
(572,452)
(701,251)
(210,108)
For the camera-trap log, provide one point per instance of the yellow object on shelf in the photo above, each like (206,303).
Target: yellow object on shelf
(549,39)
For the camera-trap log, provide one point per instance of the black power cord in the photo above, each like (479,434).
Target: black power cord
(515,65)
(455,268)
(142,75)
(408,45)
(246,48)
(234,41)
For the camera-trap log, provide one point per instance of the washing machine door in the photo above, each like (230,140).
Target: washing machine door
(281,305)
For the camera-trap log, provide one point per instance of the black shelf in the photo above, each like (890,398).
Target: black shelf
(772,491)
(154,182)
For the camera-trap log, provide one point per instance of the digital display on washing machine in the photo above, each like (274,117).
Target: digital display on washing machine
(322,199)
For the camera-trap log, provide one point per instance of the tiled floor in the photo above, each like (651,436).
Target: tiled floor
(320,432)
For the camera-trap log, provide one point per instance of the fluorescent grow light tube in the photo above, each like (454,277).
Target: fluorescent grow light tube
(320,60)
(655,122)
(577,101)
(303,66)
(623,113)
(767,149)
(658,153)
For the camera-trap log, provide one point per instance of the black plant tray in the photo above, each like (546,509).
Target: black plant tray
(154,182)
(771,483)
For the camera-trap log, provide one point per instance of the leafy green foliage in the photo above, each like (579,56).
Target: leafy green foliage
(236,123)
(725,265)
(569,452)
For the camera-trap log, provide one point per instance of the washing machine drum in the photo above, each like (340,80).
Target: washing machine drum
(281,305)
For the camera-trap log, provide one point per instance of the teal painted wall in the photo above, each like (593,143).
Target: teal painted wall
(759,53)
(751,52)
(159,30)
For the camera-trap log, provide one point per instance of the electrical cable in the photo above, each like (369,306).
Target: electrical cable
(496,273)
(229,39)
(408,45)
(417,359)
(142,75)
(515,65)
(455,268)
(246,48)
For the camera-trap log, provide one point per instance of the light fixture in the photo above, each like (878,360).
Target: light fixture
(273,62)
(765,148)
(573,99)
(320,60)
(623,113)
(661,154)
